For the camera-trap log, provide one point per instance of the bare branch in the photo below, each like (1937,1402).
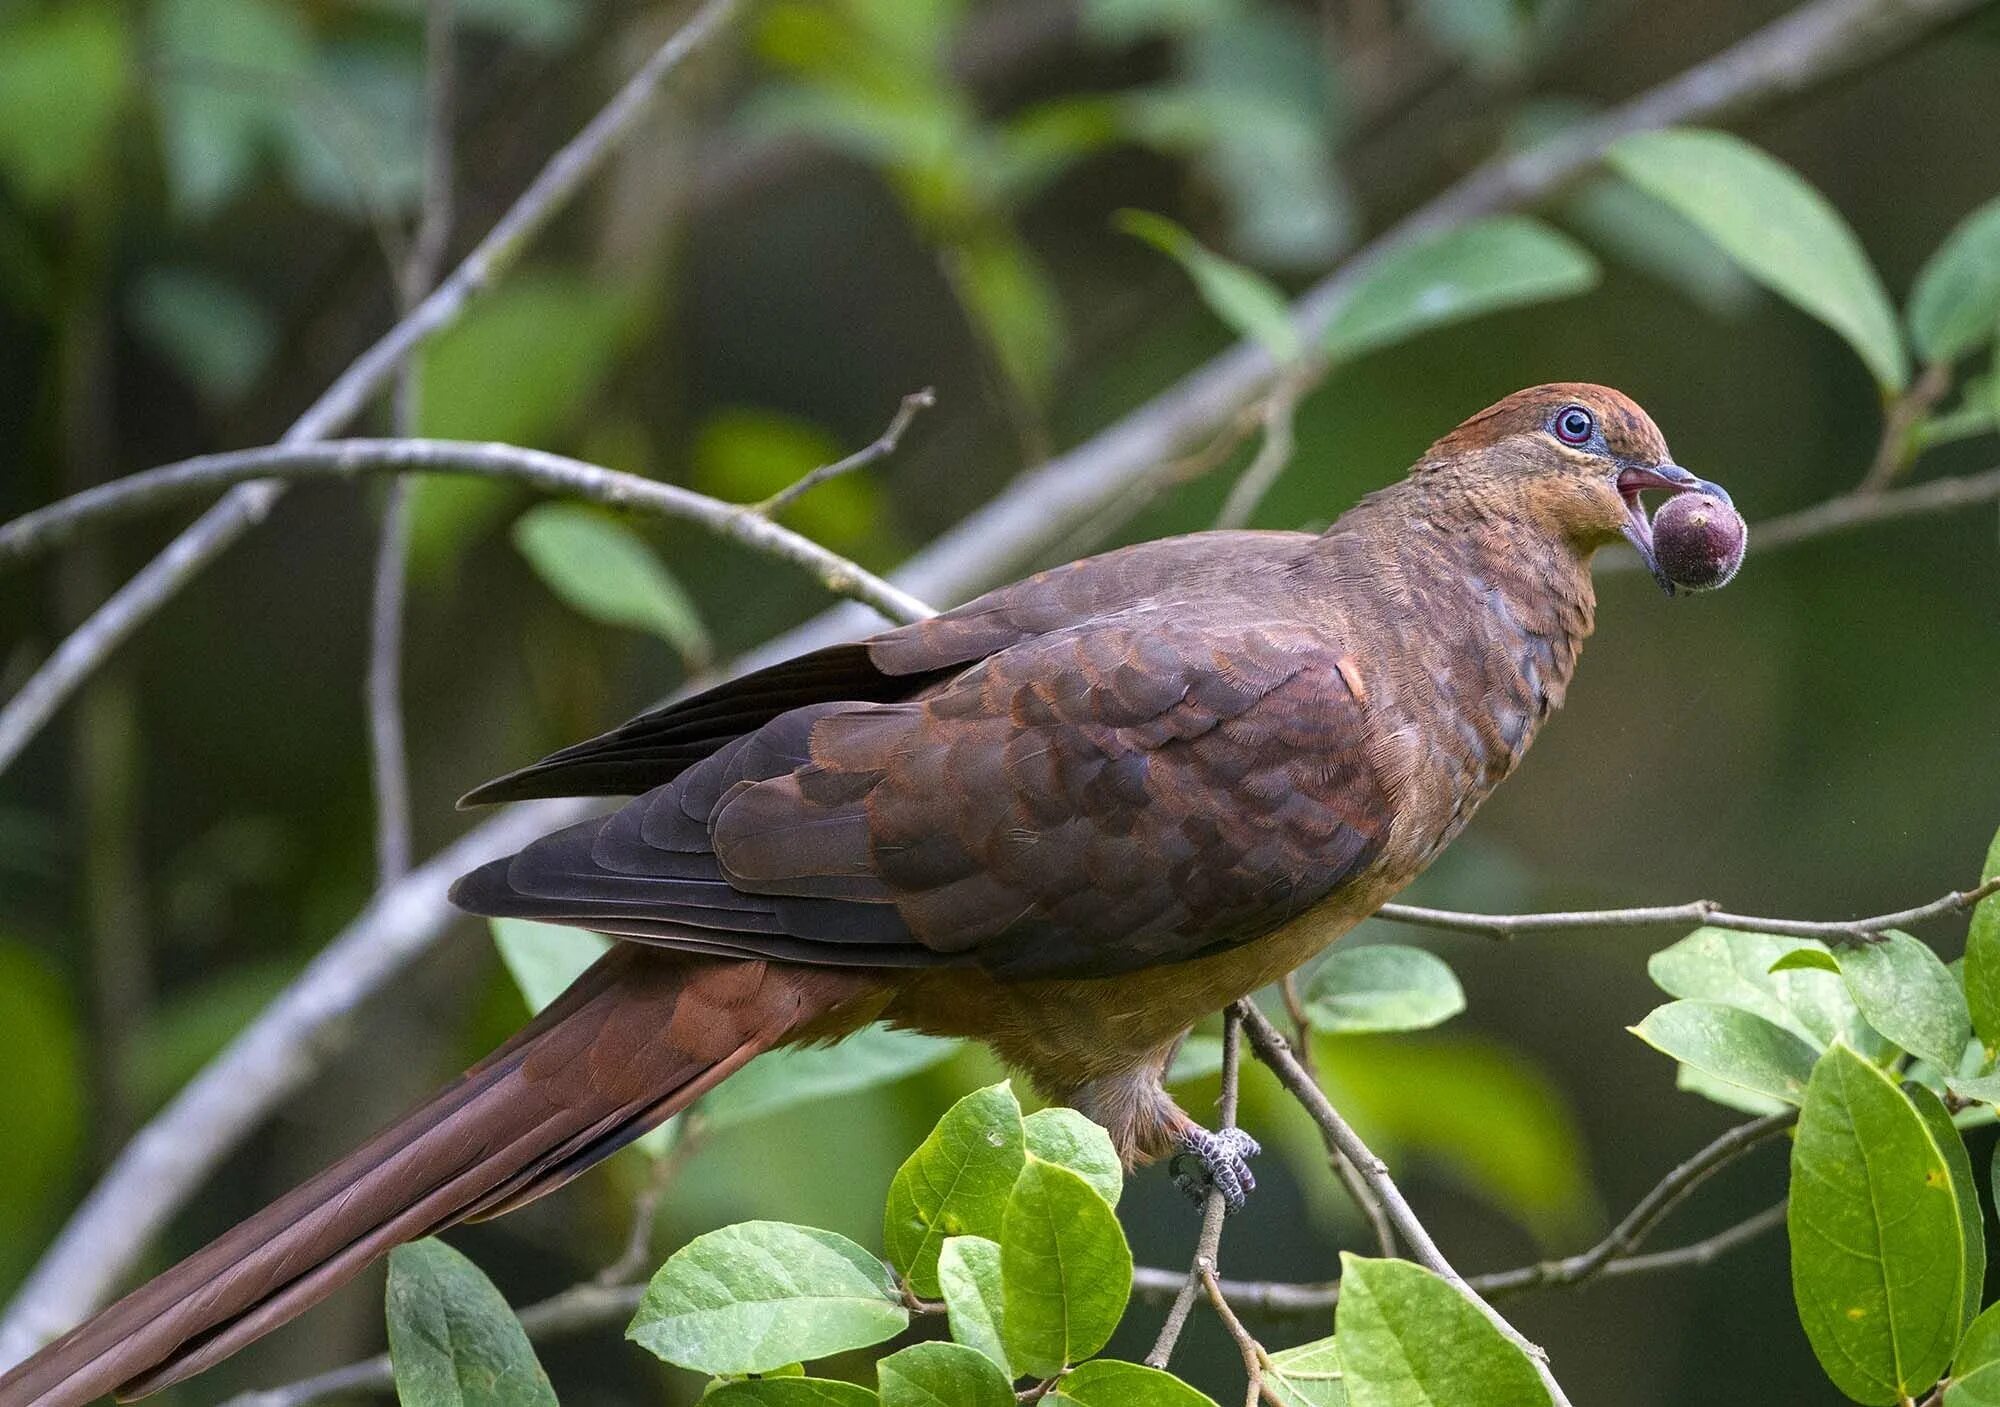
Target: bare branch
(183,559)
(883,446)
(382,688)
(552,473)
(1272,1050)
(1272,455)
(1208,1246)
(1701,911)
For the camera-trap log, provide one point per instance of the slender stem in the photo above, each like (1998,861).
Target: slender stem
(1350,1177)
(552,473)
(880,448)
(1272,1050)
(1272,455)
(1905,413)
(134,603)
(1702,911)
(1208,1245)
(382,690)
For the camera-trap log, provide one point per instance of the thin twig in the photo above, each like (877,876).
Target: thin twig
(1899,425)
(1350,1176)
(883,446)
(382,689)
(552,473)
(1272,1050)
(186,556)
(1316,1299)
(1254,1357)
(1273,454)
(1701,911)
(1208,1245)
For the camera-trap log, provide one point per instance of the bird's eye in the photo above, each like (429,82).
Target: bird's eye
(1574,425)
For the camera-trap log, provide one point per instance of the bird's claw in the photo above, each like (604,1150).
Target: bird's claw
(1221,1164)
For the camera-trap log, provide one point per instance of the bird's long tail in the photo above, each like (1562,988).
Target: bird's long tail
(640,1035)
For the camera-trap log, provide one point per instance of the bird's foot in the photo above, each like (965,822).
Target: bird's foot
(1220,1163)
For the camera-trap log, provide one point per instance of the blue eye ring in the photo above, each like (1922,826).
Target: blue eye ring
(1574,425)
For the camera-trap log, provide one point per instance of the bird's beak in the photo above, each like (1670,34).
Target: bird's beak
(1667,478)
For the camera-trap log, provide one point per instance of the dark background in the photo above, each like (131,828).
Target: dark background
(729,307)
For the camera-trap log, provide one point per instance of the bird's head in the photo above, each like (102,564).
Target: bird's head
(1569,458)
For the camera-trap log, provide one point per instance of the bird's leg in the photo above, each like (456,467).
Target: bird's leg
(1145,1125)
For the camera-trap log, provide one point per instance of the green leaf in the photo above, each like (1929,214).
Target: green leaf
(1069,1139)
(1955,302)
(1906,992)
(1065,1270)
(1408,1339)
(1248,302)
(1732,1046)
(762,1294)
(1199,1057)
(969,1274)
(1982,957)
(1308,1375)
(229,88)
(1806,960)
(955,1184)
(1975,1370)
(1958,1162)
(1505,261)
(781,1079)
(1781,230)
(452,1339)
(1878,1257)
(602,569)
(1383,987)
(1767,976)
(64,74)
(942,1375)
(1105,1382)
(1729,1096)
(789,1392)
(1011,302)
(46,1097)
(544,958)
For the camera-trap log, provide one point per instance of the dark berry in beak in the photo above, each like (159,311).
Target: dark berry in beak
(1698,541)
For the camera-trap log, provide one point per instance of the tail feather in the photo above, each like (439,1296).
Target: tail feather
(639,1036)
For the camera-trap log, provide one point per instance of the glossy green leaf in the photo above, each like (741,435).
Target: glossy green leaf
(1778,227)
(1906,992)
(1065,1270)
(65,74)
(1975,1369)
(1408,1339)
(1729,1096)
(1071,1140)
(604,570)
(942,1375)
(761,1294)
(969,1275)
(1248,302)
(789,1392)
(1731,1045)
(1382,987)
(780,1079)
(1504,261)
(1787,981)
(453,1342)
(1955,302)
(1105,1382)
(1958,1163)
(955,1184)
(1308,1375)
(1878,1258)
(1982,957)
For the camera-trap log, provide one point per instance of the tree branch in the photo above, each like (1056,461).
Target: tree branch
(1272,1050)
(882,447)
(382,688)
(1701,911)
(1208,1246)
(552,473)
(182,560)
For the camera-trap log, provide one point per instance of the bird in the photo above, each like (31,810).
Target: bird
(1069,819)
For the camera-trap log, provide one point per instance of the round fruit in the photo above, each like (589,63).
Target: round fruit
(1698,540)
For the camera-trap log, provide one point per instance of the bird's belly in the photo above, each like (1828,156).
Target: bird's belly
(1066,1032)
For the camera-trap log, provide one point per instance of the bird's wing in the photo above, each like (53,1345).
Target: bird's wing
(1138,789)
(655,747)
